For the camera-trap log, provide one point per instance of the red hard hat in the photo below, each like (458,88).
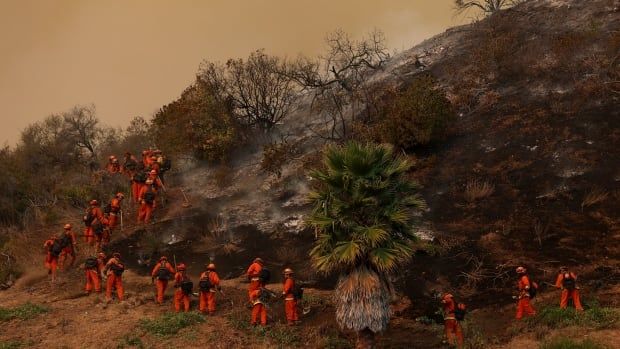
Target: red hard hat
(94,202)
(447,295)
(181,267)
(67,226)
(153,172)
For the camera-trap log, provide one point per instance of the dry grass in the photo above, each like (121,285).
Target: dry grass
(593,197)
(223,176)
(476,190)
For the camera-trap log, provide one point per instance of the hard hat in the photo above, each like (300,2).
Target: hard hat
(153,157)
(101,254)
(563,268)
(163,258)
(120,195)
(157,151)
(112,157)
(153,172)
(67,226)
(447,295)
(144,152)
(181,267)
(94,202)
(258,260)
(211,266)
(115,160)
(116,255)
(288,271)
(149,181)
(520,270)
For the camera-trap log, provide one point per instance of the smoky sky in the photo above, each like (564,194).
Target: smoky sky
(130,57)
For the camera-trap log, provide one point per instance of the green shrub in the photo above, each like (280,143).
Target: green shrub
(567,343)
(170,323)
(22,312)
(418,116)
(594,317)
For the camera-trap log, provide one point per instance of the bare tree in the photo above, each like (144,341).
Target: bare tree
(81,127)
(260,95)
(339,79)
(486,6)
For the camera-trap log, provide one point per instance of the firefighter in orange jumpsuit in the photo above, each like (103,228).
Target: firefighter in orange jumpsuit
(148,196)
(162,272)
(154,165)
(290,302)
(146,157)
(92,267)
(454,332)
(259,310)
(523,303)
(113,166)
(157,183)
(207,294)
(115,210)
(93,218)
(129,165)
(114,272)
(567,282)
(53,249)
(253,274)
(181,295)
(137,182)
(101,262)
(69,246)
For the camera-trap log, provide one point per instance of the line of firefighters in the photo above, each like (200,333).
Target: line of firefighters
(100,271)
(566,281)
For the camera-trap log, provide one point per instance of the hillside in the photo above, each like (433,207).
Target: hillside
(528,175)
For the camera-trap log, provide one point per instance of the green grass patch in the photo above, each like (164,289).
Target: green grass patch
(23,312)
(282,335)
(130,341)
(10,345)
(595,317)
(567,343)
(170,323)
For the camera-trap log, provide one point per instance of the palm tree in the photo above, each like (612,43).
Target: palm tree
(364,214)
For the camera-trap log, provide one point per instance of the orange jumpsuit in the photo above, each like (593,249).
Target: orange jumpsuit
(451,325)
(255,282)
(51,261)
(179,295)
(568,294)
(89,233)
(207,298)
(146,158)
(114,281)
(93,277)
(68,250)
(115,204)
(161,284)
(259,310)
(290,303)
(523,305)
(146,210)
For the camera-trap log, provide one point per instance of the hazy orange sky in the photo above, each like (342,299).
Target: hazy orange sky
(130,57)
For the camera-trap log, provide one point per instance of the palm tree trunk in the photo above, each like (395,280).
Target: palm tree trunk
(365,339)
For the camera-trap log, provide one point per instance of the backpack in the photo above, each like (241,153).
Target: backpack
(459,312)
(205,283)
(91,263)
(298,292)
(140,177)
(108,208)
(163,273)
(89,218)
(65,241)
(569,283)
(165,165)
(149,197)
(533,291)
(117,269)
(56,248)
(131,164)
(264,275)
(186,286)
